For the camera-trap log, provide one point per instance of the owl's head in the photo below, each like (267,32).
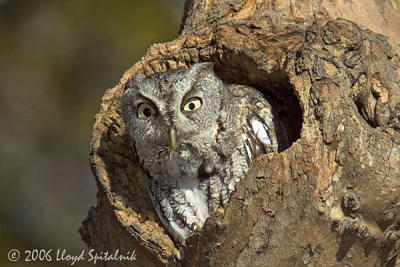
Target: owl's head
(177,106)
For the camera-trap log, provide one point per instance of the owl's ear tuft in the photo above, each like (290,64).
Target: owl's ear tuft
(202,67)
(134,81)
(137,78)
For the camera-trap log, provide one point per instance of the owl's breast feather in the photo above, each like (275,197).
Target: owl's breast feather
(177,164)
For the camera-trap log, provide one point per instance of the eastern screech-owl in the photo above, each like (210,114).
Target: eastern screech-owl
(196,137)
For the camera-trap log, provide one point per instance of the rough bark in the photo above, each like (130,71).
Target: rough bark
(330,199)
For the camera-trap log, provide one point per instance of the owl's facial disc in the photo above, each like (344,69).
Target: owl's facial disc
(190,105)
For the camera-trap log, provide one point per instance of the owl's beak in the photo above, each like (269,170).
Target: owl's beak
(172,137)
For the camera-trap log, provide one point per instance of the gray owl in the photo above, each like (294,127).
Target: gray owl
(195,138)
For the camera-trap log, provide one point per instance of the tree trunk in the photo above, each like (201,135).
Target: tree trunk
(330,199)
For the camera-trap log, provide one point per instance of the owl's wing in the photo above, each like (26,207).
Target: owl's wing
(259,136)
(261,131)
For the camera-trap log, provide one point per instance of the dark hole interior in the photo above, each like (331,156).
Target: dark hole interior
(361,109)
(275,87)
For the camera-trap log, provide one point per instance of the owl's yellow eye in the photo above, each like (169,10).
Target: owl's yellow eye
(145,111)
(192,104)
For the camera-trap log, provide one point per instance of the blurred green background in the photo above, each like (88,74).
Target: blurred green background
(57,57)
